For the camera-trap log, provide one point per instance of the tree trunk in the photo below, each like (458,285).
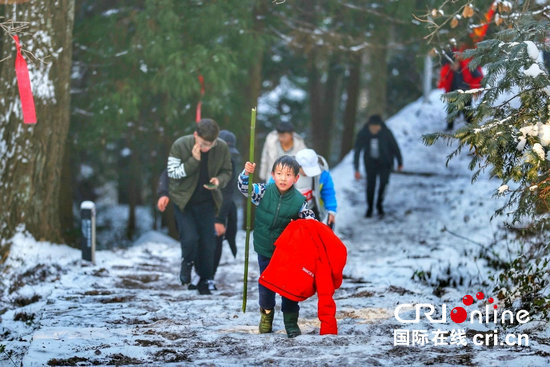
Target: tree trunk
(350,111)
(254,81)
(330,101)
(323,102)
(31,156)
(378,69)
(427,77)
(134,191)
(66,218)
(315,102)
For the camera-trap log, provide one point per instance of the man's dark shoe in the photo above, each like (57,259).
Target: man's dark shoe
(202,287)
(212,285)
(192,287)
(266,321)
(380,210)
(185,272)
(291,324)
(368,214)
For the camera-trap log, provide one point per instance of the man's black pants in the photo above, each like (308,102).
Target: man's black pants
(374,169)
(197,237)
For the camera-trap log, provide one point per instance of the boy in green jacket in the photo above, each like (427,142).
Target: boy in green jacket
(277,204)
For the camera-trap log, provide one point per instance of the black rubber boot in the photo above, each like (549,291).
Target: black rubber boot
(291,324)
(266,321)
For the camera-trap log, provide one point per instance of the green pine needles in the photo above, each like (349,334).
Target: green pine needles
(510,130)
(509,137)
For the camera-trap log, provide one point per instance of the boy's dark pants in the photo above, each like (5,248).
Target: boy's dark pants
(375,168)
(197,238)
(267,296)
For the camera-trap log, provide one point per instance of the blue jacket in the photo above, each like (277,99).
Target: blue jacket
(327,194)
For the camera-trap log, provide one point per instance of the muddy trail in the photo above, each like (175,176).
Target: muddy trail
(129,309)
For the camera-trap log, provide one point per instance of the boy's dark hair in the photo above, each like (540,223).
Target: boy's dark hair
(375,120)
(207,129)
(287,161)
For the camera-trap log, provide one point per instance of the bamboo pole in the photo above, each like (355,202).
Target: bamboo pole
(249,206)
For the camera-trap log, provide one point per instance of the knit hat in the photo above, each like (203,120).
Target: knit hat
(285,127)
(230,140)
(307,158)
(375,120)
(228,137)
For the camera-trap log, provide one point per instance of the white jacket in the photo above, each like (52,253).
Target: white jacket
(273,150)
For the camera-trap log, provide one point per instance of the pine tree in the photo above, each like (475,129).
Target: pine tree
(137,89)
(510,131)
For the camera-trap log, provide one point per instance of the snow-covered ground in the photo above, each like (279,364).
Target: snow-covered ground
(129,308)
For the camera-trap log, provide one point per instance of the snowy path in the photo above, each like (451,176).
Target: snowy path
(129,309)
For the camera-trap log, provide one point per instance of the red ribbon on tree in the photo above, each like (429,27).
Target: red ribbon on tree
(199,105)
(24,84)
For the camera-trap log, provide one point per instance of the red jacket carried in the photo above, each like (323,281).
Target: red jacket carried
(308,257)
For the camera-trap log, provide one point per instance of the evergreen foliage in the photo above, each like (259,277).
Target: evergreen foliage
(136,85)
(510,131)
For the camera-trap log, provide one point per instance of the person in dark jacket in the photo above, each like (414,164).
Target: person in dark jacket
(380,149)
(226,222)
(162,191)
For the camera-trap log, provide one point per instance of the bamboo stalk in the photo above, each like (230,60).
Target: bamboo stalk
(249,206)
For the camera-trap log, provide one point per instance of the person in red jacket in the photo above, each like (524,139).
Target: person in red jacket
(455,74)
(455,71)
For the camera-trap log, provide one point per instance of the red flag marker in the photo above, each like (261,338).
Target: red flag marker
(198,116)
(24,84)
(199,105)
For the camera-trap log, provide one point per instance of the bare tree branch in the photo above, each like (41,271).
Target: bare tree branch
(12,28)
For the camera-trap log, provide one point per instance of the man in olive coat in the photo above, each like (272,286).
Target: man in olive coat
(199,165)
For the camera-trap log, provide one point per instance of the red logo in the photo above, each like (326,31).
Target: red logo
(459,314)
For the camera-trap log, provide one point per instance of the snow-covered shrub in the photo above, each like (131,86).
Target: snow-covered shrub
(524,283)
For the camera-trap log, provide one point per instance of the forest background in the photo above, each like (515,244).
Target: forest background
(116,84)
